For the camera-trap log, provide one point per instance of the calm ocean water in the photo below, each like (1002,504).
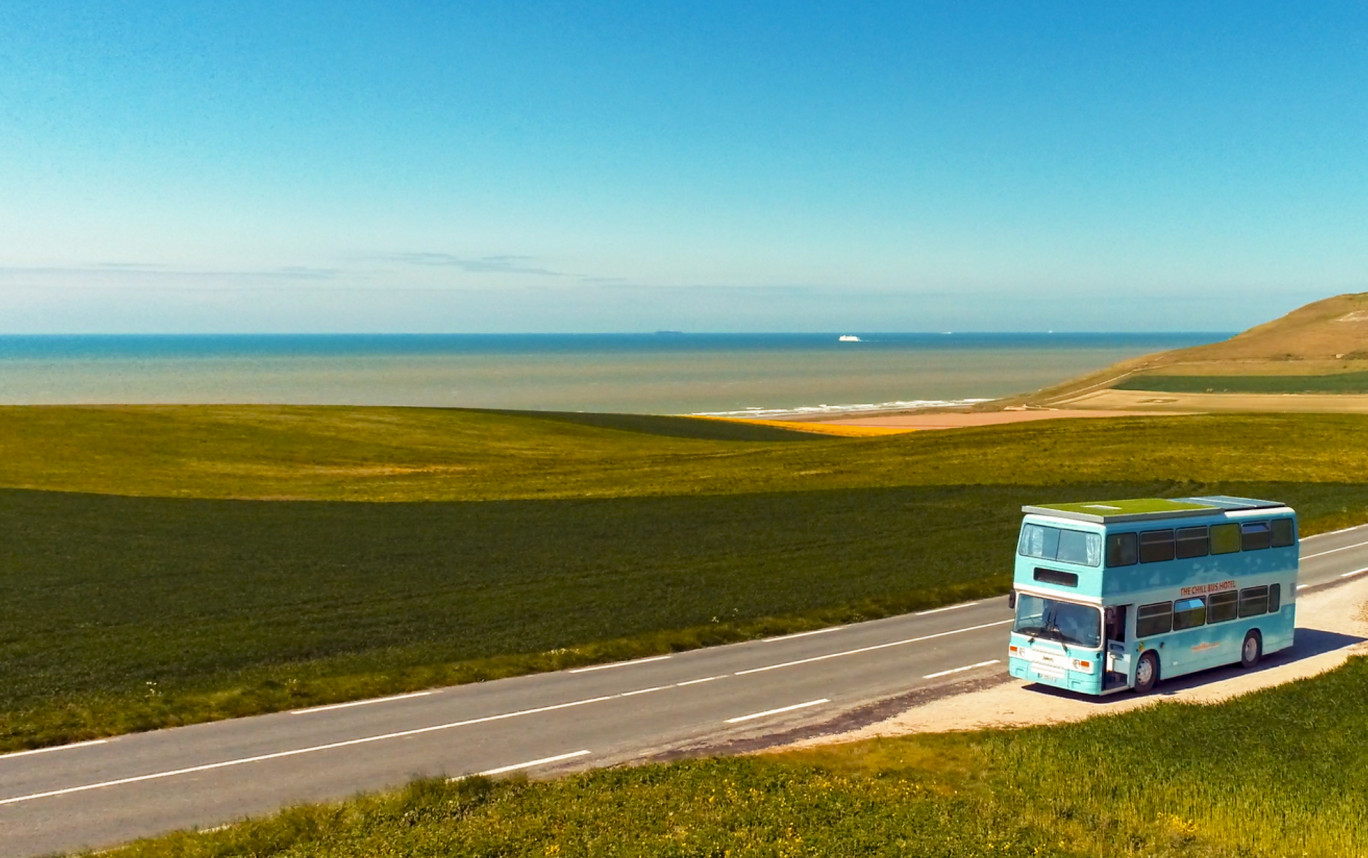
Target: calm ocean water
(761,374)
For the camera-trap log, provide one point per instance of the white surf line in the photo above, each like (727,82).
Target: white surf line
(594,667)
(278,755)
(870,648)
(802,634)
(49,750)
(778,711)
(1333,550)
(947,608)
(960,669)
(354,703)
(1355,572)
(532,764)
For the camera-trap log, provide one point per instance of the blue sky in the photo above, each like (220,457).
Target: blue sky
(706,166)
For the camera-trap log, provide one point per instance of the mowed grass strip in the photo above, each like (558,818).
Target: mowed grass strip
(121,613)
(1345,382)
(408,454)
(1272,774)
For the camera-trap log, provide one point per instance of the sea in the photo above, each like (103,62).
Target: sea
(757,375)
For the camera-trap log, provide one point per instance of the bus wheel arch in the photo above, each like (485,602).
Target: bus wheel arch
(1251,650)
(1147,671)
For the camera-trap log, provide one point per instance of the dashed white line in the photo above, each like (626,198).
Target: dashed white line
(947,608)
(778,711)
(594,667)
(532,764)
(49,750)
(1333,550)
(1355,572)
(696,681)
(646,690)
(802,634)
(355,703)
(869,648)
(960,669)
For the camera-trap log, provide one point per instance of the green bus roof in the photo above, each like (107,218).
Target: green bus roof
(1147,508)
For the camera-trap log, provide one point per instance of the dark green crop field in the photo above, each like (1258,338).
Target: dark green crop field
(1273,774)
(1348,382)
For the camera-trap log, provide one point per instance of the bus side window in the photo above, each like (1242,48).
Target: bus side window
(1192,542)
(1222,607)
(1284,532)
(1253,601)
(1156,546)
(1254,535)
(1225,538)
(1188,613)
(1121,549)
(1154,619)
(1274,597)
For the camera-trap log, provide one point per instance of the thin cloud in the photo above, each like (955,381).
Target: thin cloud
(503,264)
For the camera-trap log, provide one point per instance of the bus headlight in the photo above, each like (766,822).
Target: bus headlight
(1083,665)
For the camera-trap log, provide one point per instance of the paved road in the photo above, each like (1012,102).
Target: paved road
(102,793)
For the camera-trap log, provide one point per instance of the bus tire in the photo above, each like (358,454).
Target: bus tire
(1252,649)
(1146,673)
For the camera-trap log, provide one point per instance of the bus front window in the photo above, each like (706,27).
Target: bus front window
(1053,619)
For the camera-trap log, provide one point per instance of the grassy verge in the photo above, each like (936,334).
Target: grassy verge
(398,454)
(1275,773)
(121,614)
(1345,382)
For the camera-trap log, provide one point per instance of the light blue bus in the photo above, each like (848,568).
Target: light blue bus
(1113,595)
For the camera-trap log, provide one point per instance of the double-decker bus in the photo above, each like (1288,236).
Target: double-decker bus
(1113,595)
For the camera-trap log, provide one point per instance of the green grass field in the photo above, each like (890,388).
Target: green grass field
(554,541)
(1346,382)
(1273,774)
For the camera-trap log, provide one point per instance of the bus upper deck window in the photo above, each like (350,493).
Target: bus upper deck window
(1284,532)
(1225,538)
(1254,535)
(1192,542)
(1156,546)
(1121,550)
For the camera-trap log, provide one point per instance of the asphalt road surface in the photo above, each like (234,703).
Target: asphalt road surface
(103,793)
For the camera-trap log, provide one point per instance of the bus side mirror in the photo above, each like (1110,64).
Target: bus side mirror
(1011,600)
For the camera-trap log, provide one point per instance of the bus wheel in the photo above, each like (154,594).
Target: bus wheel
(1146,672)
(1251,649)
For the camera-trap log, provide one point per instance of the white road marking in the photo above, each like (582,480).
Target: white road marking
(333,706)
(960,669)
(696,681)
(531,764)
(594,667)
(947,608)
(1355,572)
(781,709)
(869,648)
(802,634)
(1333,532)
(646,690)
(49,750)
(207,767)
(1333,550)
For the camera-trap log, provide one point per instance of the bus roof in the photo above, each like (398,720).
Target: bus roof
(1143,509)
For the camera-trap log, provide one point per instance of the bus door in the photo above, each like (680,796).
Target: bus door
(1118,660)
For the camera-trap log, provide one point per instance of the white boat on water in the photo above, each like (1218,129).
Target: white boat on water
(848,338)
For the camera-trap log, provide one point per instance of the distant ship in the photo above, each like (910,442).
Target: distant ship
(848,338)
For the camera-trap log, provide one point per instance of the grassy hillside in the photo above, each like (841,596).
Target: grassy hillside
(1276,773)
(407,454)
(1344,382)
(1324,338)
(583,543)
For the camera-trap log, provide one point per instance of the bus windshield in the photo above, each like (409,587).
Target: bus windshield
(1053,619)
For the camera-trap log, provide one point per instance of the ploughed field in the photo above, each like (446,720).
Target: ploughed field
(154,575)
